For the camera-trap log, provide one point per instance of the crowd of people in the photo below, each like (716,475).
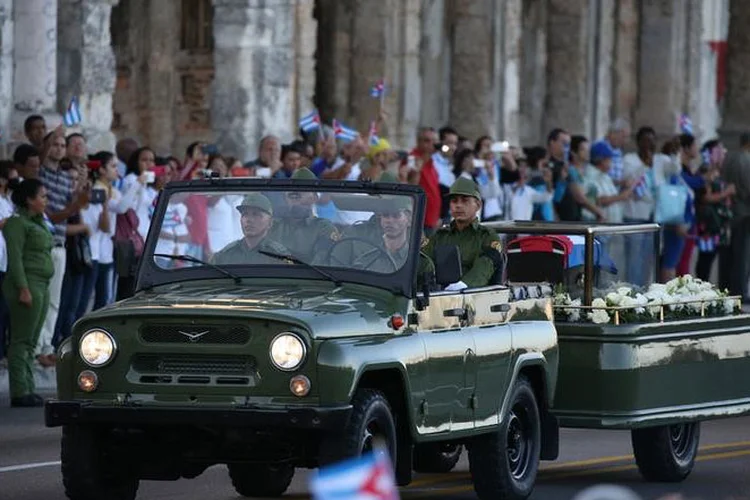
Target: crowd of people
(74,221)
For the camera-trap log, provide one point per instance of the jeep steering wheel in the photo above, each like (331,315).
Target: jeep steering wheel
(378,251)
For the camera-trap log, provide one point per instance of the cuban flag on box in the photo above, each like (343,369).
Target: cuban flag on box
(310,122)
(344,133)
(369,477)
(378,90)
(374,139)
(73,113)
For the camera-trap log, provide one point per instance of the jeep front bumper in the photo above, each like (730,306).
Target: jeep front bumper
(58,413)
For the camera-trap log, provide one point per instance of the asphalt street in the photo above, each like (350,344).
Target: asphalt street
(30,470)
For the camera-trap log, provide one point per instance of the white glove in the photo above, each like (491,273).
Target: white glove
(454,287)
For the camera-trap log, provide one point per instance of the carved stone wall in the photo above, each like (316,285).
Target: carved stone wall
(6,69)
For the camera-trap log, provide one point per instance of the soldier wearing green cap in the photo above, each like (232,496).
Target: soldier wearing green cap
(256,220)
(480,247)
(305,235)
(389,235)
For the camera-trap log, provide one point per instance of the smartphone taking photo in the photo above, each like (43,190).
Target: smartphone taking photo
(98,196)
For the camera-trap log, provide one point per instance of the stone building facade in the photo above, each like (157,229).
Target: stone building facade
(170,72)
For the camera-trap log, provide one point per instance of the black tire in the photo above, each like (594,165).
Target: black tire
(437,458)
(260,480)
(371,419)
(504,463)
(666,453)
(89,471)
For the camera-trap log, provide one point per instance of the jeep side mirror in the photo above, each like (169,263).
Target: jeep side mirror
(447,264)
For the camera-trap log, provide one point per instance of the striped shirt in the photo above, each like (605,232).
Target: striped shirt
(59,187)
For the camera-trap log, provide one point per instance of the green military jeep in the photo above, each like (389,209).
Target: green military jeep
(267,356)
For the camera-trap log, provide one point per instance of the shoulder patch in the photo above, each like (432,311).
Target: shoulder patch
(425,241)
(335,235)
(496,245)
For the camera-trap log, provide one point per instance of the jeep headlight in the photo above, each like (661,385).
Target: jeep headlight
(97,348)
(287,351)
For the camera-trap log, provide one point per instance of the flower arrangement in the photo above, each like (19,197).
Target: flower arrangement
(680,298)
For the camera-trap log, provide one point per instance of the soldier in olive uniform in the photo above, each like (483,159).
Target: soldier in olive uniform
(390,252)
(480,247)
(256,220)
(370,229)
(305,235)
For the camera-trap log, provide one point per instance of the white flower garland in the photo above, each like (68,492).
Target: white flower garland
(702,296)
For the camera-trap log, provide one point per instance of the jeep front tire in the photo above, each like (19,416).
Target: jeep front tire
(504,463)
(371,421)
(90,471)
(260,480)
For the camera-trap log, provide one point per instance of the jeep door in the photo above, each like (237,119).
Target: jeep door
(488,310)
(450,365)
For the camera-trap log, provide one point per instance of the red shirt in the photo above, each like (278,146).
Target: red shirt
(429,182)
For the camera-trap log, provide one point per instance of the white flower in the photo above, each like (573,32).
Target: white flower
(574,315)
(599,316)
(598,302)
(614,299)
(729,305)
(624,290)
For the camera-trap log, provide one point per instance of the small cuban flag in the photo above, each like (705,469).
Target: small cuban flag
(310,122)
(374,139)
(369,477)
(73,113)
(686,124)
(378,90)
(344,133)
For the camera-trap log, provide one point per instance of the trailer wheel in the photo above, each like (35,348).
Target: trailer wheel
(436,457)
(264,480)
(666,453)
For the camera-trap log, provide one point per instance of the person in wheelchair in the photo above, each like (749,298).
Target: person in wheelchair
(305,235)
(479,247)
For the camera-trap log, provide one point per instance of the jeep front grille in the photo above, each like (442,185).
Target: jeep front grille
(194,369)
(153,333)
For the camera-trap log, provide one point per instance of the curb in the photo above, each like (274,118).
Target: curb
(44,378)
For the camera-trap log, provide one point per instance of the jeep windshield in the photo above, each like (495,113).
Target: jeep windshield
(362,233)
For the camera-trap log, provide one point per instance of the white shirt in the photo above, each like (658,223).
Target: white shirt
(598,184)
(143,203)
(6,210)
(444,168)
(522,201)
(642,207)
(224,224)
(354,173)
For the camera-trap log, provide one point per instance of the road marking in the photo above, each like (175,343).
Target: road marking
(575,473)
(13,468)
(562,466)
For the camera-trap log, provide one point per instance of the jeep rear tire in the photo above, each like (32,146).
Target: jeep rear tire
(90,471)
(260,480)
(666,453)
(437,458)
(504,463)
(370,421)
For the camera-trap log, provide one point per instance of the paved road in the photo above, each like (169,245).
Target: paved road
(587,458)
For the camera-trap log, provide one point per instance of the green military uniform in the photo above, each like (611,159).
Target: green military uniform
(239,252)
(306,237)
(370,229)
(480,247)
(29,245)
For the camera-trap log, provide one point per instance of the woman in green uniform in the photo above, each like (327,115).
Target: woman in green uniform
(29,242)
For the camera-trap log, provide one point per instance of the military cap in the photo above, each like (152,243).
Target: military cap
(304,174)
(465,187)
(397,204)
(256,200)
(388,177)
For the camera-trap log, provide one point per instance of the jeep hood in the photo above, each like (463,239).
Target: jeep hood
(323,310)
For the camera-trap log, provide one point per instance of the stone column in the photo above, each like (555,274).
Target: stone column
(6,69)
(625,68)
(434,64)
(35,54)
(253,91)
(305,44)
(568,67)
(736,109)
(533,74)
(472,68)
(86,66)
(333,58)
(507,65)
(663,71)
(404,80)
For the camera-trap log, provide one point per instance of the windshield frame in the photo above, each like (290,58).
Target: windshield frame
(402,282)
